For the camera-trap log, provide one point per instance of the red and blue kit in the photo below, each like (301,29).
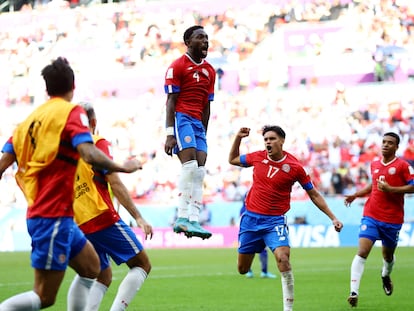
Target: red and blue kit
(273,181)
(96,216)
(195,83)
(388,207)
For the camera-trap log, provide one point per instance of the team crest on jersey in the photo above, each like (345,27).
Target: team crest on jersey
(376,171)
(286,168)
(265,161)
(392,170)
(205,71)
(187,139)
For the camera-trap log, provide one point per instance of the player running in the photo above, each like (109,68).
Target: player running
(383,213)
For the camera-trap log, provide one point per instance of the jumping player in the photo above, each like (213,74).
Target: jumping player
(189,83)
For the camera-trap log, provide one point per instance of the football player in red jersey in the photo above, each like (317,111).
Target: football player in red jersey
(383,214)
(47,146)
(263,224)
(111,237)
(189,85)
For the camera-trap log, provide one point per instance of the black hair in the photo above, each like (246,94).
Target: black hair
(59,77)
(274,128)
(189,32)
(396,136)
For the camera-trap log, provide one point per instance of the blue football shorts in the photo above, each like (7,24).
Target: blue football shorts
(117,241)
(190,133)
(54,242)
(258,231)
(377,230)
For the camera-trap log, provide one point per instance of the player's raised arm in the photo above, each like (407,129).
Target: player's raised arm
(234,155)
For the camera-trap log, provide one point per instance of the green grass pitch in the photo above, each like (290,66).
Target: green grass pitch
(207,280)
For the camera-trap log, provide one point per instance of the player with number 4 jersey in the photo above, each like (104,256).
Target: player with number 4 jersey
(189,85)
(264,222)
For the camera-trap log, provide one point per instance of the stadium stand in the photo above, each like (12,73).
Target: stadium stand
(334,74)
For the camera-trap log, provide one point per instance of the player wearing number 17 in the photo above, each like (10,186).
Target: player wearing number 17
(189,85)
(264,222)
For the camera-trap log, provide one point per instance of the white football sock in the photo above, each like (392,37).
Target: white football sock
(78,293)
(185,187)
(357,269)
(96,294)
(387,267)
(288,283)
(28,301)
(197,193)
(128,288)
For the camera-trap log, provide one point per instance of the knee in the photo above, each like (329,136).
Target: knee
(47,303)
(243,269)
(94,271)
(142,261)
(86,263)
(147,267)
(282,260)
(90,270)
(283,263)
(105,277)
(47,300)
(199,174)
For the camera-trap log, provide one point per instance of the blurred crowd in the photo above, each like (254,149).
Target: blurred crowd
(336,131)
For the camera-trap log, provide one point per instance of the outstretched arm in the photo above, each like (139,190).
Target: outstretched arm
(92,155)
(122,195)
(320,202)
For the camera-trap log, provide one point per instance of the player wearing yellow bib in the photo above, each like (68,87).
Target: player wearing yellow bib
(46,147)
(110,235)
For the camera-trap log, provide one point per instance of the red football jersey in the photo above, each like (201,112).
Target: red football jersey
(385,206)
(273,181)
(195,83)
